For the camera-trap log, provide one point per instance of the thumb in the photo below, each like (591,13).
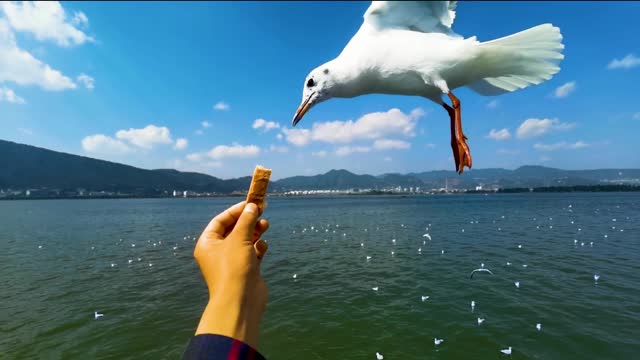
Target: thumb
(246,223)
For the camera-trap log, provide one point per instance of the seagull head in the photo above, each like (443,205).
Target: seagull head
(318,86)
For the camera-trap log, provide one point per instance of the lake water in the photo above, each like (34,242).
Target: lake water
(55,271)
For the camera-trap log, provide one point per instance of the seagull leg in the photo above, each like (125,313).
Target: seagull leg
(459,145)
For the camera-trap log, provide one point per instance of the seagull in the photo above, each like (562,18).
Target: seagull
(437,341)
(517,284)
(130,261)
(113,265)
(368,258)
(480,321)
(591,244)
(427,236)
(519,246)
(480,270)
(361,244)
(419,250)
(392,253)
(539,327)
(375,288)
(442,252)
(506,351)
(379,356)
(473,305)
(97,315)
(409,48)
(424,298)
(596,277)
(393,241)
(40,247)
(525,266)
(508,263)
(295,276)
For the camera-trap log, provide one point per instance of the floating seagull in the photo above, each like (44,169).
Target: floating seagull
(473,305)
(591,244)
(175,248)
(480,321)
(133,245)
(424,243)
(139,259)
(606,236)
(575,241)
(130,261)
(508,263)
(427,236)
(424,298)
(113,265)
(539,327)
(379,356)
(393,241)
(40,247)
(295,276)
(581,244)
(93,247)
(375,288)
(517,284)
(480,270)
(361,244)
(525,266)
(392,253)
(97,315)
(368,258)
(419,250)
(596,277)
(442,252)
(482,265)
(519,246)
(462,230)
(506,351)
(150,264)
(409,48)
(437,341)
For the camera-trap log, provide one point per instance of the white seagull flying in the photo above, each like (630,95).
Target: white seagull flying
(480,270)
(409,48)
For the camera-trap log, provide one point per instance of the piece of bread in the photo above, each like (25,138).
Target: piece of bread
(258,189)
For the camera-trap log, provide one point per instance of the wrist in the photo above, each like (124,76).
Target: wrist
(229,316)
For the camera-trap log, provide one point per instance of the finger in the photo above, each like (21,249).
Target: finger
(261,247)
(261,227)
(246,224)
(225,220)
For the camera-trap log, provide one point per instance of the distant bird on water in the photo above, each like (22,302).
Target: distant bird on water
(409,48)
(480,270)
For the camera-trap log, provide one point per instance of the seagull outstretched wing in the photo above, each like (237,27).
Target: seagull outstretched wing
(480,270)
(421,16)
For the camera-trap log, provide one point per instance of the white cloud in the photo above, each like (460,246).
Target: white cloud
(102,144)
(320,154)
(346,150)
(146,137)
(626,62)
(205,124)
(298,137)
(279,136)
(387,159)
(266,125)
(493,104)
(370,126)
(278,149)
(565,89)
(86,80)
(220,105)
(195,157)
(181,144)
(545,159)
(199,132)
(9,96)
(80,19)
(499,135)
(46,20)
(20,67)
(233,151)
(386,144)
(537,127)
(563,145)
(25,131)
(636,116)
(430,145)
(507,152)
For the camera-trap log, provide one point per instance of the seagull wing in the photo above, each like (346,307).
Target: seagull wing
(421,16)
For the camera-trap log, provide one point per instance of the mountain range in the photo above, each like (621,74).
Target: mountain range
(29,167)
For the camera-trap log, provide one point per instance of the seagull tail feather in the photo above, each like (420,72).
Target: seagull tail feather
(517,61)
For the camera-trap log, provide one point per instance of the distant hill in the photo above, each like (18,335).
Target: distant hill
(28,167)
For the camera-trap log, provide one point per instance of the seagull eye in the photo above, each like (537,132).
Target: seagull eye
(310,83)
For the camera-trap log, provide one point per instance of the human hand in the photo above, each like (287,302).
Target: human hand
(229,254)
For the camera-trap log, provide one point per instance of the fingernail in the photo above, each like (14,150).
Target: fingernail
(251,207)
(262,246)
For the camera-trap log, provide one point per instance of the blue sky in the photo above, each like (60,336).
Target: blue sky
(138,83)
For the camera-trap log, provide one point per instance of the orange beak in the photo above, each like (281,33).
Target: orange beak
(302,109)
